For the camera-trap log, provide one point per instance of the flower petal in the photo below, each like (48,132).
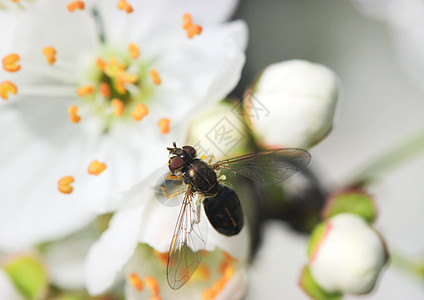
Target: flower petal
(109,254)
(7,289)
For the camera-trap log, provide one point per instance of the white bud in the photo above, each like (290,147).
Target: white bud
(349,257)
(296,101)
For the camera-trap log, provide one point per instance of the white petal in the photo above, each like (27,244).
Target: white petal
(109,254)
(7,289)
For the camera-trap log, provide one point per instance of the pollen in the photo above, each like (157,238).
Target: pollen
(164,125)
(73,114)
(10,62)
(50,54)
(105,90)
(118,106)
(75,5)
(124,5)
(191,28)
(141,110)
(96,167)
(152,285)
(6,88)
(134,51)
(155,77)
(85,90)
(64,184)
(135,281)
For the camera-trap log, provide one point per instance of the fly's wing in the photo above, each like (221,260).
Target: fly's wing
(188,241)
(266,167)
(170,189)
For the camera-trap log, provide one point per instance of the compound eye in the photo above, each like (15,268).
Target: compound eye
(175,163)
(190,151)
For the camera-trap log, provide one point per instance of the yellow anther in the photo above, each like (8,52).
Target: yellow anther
(6,88)
(191,28)
(15,0)
(155,298)
(152,285)
(134,50)
(105,90)
(75,5)
(64,184)
(10,62)
(155,77)
(85,90)
(135,281)
(73,114)
(187,20)
(124,5)
(50,54)
(229,272)
(101,64)
(162,256)
(118,106)
(96,167)
(208,294)
(141,110)
(164,125)
(203,272)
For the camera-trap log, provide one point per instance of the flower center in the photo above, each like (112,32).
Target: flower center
(119,85)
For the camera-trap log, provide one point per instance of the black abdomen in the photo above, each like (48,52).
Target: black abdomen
(224,211)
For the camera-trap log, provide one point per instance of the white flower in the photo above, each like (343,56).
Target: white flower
(7,289)
(292,104)
(350,256)
(218,131)
(405,19)
(144,59)
(142,219)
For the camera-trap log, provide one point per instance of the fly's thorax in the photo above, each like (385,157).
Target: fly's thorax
(200,175)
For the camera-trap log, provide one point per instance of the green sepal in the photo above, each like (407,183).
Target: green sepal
(311,287)
(351,201)
(315,238)
(29,276)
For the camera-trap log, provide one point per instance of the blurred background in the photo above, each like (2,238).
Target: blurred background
(380,108)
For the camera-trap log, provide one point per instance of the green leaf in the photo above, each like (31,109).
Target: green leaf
(351,201)
(312,288)
(316,238)
(398,155)
(28,275)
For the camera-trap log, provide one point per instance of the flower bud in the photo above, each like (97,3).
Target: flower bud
(218,131)
(348,255)
(292,104)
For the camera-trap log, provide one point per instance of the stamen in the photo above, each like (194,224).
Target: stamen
(105,90)
(96,167)
(64,184)
(152,285)
(135,281)
(191,28)
(73,114)
(124,5)
(164,125)
(134,50)
(162,256)
(10,62)
(50,54)
(85,90)
(141,110)
(118,106)
(6,88)
(101,64)
(75,5)
(204,272)
(155,77)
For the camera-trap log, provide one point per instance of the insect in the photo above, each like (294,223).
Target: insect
(197,182)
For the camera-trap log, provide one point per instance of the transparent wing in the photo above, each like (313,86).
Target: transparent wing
(170,190)
(188,241)
(266,167)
